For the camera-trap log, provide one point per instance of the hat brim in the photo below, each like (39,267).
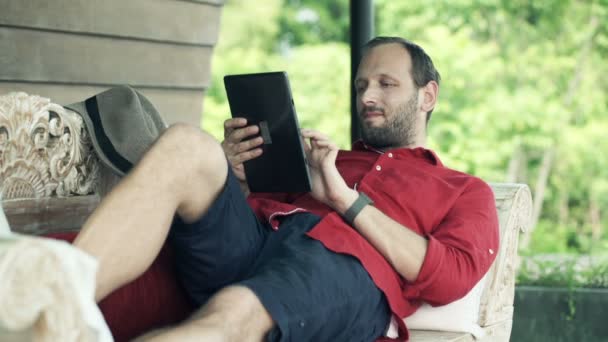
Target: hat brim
(81,109)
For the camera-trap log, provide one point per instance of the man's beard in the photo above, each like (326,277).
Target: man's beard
(399,129)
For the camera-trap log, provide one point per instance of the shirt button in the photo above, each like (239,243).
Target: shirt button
(491,251)
(378,167)
(390,155)
(302,324)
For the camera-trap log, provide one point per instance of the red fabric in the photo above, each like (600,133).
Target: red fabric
(153,300)
(453,210)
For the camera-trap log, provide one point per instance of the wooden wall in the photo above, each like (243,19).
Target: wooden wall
(68,50)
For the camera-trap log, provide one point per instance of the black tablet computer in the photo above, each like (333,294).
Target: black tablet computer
(264,99)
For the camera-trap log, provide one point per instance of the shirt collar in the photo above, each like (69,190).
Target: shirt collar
(418,152)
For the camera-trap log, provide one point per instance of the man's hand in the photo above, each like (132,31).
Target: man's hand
(238,151)
(384,233)
(328,186)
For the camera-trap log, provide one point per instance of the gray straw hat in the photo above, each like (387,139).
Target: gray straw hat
(122,124)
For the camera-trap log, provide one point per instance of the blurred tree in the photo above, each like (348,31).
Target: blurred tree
(314,22)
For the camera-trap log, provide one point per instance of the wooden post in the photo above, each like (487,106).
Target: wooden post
(361,31)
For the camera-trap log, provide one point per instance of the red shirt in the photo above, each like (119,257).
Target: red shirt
(456,212)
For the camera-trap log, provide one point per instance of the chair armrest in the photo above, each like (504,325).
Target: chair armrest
(514,205)
(48,169)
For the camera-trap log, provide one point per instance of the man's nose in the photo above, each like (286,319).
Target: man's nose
(369,96)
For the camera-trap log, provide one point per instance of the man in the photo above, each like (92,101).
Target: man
(385,226)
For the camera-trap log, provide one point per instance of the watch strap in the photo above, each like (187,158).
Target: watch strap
(354,210)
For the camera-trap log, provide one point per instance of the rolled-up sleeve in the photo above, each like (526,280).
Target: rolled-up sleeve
(461,248)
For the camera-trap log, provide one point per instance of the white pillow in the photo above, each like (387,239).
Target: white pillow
(460,316)
(47,292)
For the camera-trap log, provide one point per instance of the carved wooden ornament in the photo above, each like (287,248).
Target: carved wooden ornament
(45,150)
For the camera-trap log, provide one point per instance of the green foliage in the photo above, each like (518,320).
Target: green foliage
(520,78)
(314,22)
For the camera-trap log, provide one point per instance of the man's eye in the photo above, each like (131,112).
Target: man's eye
(386,84)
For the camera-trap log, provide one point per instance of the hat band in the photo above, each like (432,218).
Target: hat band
(102,139)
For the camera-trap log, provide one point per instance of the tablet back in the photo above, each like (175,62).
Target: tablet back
(265,100)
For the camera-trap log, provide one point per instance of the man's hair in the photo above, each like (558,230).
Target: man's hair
(423,69)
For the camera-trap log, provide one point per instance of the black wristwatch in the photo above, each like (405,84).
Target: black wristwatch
(354,210)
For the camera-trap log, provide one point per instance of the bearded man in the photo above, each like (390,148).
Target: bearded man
(385,227)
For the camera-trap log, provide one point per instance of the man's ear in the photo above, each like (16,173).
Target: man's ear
(429,96)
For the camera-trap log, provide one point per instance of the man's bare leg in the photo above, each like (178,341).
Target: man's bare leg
(233,314)
(183,172)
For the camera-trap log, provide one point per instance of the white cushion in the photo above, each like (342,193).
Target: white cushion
(460,316)
(47,292)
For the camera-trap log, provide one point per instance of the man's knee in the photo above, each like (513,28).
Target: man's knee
(240,297)
(237,306)
(221,319)
(190,149)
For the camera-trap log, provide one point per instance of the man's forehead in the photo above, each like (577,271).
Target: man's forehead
(391,60)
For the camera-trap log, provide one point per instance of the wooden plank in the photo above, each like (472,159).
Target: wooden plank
(173,21)
(175,105)
(500,332)
(439,336)
(178,106)
(55,57)
(39,216)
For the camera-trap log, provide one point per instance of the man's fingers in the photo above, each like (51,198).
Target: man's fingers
(245,156)
(325,143)
(241,133)
(248,144)
(312,134)
(231,124)
(307,147)
(233,151)
(318,139)
(319,147)
(318,155)
(235,122)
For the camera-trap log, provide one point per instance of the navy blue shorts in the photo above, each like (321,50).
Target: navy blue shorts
(312,293)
